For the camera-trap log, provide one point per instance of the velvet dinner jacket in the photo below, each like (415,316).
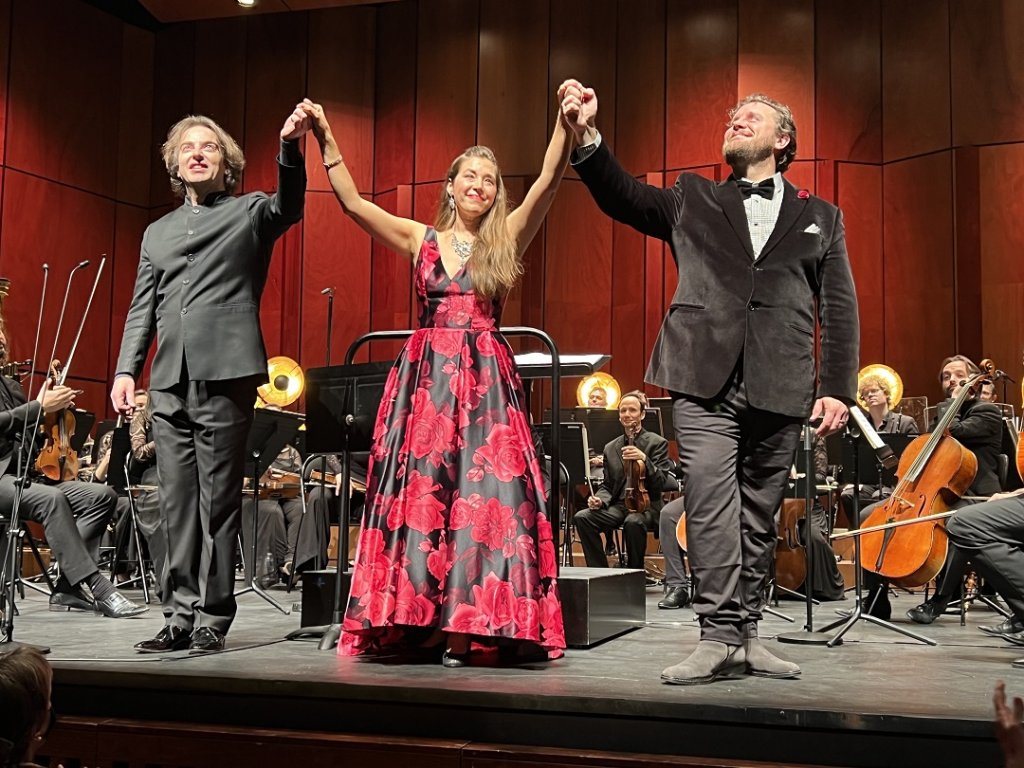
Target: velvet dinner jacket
(200,281)
(727,305)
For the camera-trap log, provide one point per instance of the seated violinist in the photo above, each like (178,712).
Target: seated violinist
(978,428)
(610,506)
(293,544)
(73,514)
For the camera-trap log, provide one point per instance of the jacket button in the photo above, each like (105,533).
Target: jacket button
(191,257)
(753,305)
(184,311)
(186,281)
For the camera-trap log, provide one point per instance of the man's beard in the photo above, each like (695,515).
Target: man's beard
(747,153)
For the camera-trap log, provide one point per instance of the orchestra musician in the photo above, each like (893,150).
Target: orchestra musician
(293,543)
(73,514)
(607,509)
(677,583)
(201,275)
(760,263)
(978,427)
(874,391)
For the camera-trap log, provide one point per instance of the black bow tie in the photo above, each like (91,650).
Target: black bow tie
(765,189)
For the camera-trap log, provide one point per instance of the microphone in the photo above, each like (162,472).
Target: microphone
(883,452)
(1002,375)
(327,292)
(82,264)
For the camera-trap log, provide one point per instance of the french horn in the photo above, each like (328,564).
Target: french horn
(606,382)
(892,381)
(286,384)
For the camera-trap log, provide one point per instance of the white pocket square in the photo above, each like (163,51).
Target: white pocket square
(813,229)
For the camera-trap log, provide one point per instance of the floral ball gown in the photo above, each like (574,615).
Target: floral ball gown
(455,532)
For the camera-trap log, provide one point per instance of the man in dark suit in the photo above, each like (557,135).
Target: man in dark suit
(979,427)
(73,514)
(760,262)
(201,276)
(606,509)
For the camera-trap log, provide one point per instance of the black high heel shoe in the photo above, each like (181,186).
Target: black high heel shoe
(455,660)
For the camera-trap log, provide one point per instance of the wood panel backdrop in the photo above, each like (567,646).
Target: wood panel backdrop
(910,117)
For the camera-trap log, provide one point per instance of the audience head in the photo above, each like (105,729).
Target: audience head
(25,712)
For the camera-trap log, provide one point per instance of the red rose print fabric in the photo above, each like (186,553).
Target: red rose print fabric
(455,532)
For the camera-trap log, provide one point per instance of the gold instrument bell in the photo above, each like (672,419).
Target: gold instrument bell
(599,381)
(892,381)
(285,386)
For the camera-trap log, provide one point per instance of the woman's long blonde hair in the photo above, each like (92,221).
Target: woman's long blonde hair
(495,266)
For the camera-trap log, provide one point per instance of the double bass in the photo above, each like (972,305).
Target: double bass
(934,471)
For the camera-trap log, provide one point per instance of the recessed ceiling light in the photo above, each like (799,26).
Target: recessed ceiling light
(247,3)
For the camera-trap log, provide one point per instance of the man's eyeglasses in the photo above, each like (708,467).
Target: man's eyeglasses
(209,148)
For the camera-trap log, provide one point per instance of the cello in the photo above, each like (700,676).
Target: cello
(934,471)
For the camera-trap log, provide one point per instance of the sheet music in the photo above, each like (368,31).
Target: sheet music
(542,358)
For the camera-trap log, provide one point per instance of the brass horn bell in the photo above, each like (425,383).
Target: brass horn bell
(892,380)
(604,381)
(285,386)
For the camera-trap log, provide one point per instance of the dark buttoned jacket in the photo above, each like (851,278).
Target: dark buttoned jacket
(13,421)
(200,281)
(727,304)
(657,468)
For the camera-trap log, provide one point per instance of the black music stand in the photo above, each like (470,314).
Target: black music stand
(341,408)
(271,431)
(574,451)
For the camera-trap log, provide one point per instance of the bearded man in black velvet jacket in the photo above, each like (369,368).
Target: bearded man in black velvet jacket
(761,265)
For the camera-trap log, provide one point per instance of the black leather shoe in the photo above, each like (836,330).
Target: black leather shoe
(929,610)
(206,639)
(1017,638)
(73,600)
(677,597)
(1008,626)
(117,606)
(170,638)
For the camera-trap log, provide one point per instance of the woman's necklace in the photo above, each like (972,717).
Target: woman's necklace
(462,249)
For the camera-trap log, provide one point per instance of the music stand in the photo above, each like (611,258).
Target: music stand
(341,408)
(270,432)
(574,450)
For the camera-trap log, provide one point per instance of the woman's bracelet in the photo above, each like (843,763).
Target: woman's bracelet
(337,161)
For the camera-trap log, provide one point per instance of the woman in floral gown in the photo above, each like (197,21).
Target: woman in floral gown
(455,546)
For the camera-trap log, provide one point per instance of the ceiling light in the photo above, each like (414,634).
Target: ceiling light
(247,3)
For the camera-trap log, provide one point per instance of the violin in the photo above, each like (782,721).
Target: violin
(934,471)
(637,498)
(57,460)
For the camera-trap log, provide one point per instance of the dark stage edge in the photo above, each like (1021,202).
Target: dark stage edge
(876,700)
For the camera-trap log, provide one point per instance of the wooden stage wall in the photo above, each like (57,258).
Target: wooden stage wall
(909,117)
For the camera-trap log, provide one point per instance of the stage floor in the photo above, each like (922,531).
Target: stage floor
(879,699)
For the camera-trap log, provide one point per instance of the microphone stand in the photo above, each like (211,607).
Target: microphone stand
(859,613)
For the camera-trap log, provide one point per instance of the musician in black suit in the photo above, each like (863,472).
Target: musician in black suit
(606,509)
(200,280)
(73,514)
(761,264)
(979,428)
